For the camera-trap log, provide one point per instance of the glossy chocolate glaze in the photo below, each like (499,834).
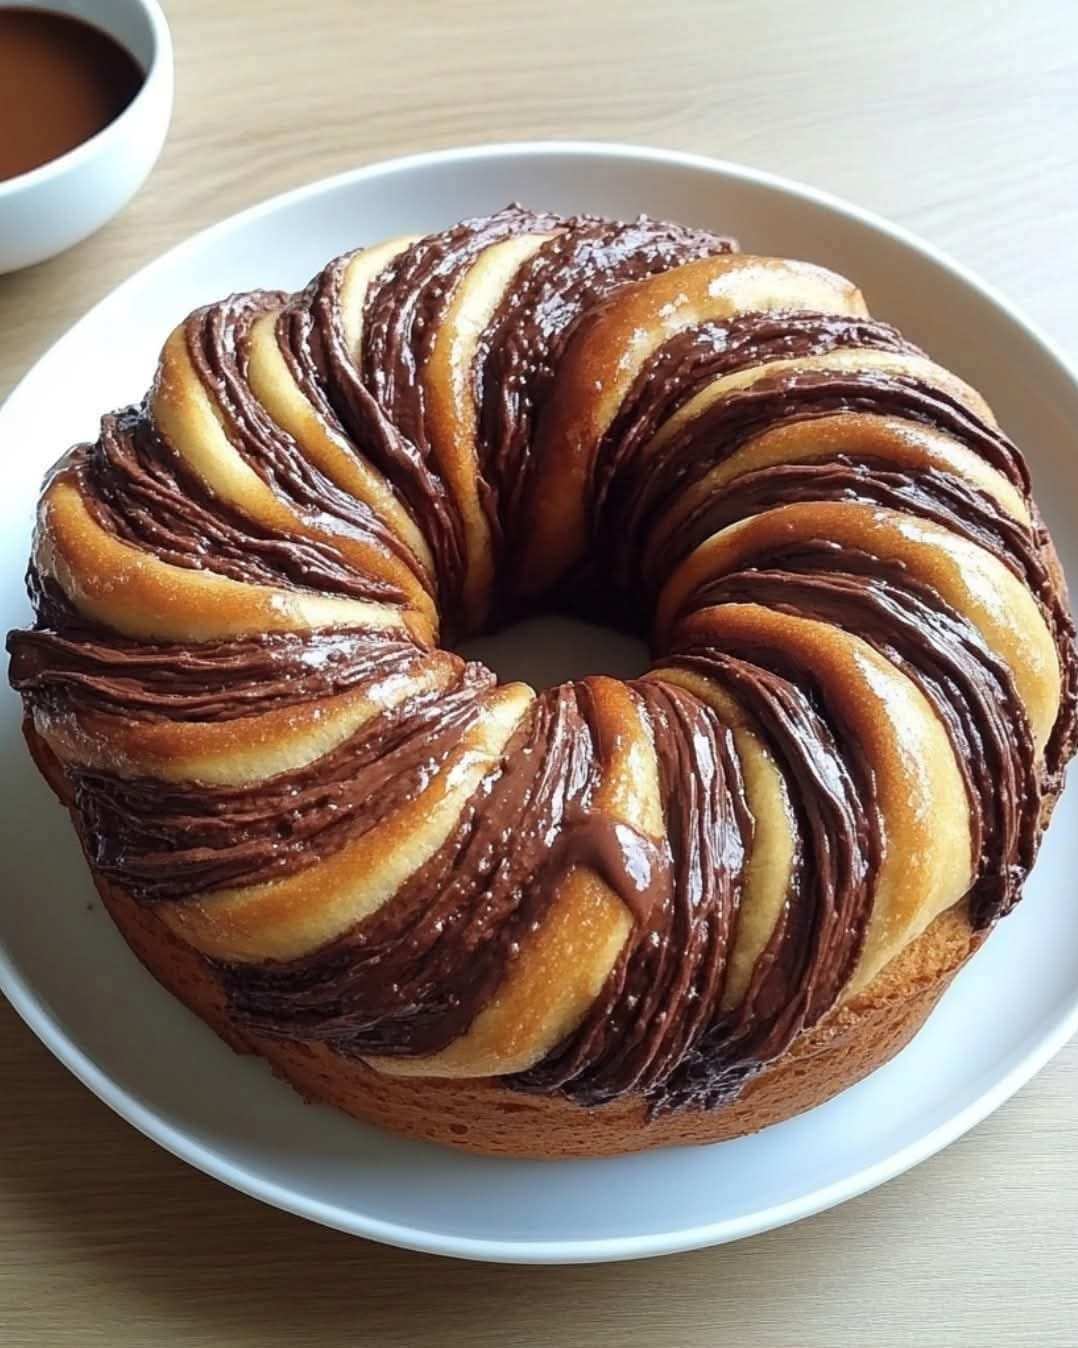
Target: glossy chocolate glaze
(971,690)
(693,359)
(89,670)
(817,939)
(312,341)
(138,490)
(665,991)
(407,302)
(523,344)
(799,396)
(217,339)
(170,841)
(413,976)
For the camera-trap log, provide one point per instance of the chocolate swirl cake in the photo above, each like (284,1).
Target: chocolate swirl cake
(610,914)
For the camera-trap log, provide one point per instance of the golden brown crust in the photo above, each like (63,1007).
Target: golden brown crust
(483,1116)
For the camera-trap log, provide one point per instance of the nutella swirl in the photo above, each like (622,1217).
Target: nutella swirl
(217,340)
(411,978)
(970,689)
(407,302)
(209,682)
(799,396)
(696,357)
(138,491)
(520,350)
(665,991)
(169,841)
(816,942)
(313,345)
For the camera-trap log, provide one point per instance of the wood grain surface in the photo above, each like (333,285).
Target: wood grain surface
(956,119)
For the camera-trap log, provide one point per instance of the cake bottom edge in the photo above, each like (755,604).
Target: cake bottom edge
(484,1116)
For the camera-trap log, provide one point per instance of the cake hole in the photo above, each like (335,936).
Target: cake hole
(552,649)
(459,1129)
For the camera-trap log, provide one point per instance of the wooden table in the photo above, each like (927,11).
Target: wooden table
(957,119)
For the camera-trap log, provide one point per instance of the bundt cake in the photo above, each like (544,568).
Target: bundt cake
(610,914)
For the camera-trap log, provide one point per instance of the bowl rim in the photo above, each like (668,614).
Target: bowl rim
(161,60)
(143,1115)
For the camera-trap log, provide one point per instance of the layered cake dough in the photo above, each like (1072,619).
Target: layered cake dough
(600,916)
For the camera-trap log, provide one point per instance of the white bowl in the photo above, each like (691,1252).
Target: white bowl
(67,971)
(45,211)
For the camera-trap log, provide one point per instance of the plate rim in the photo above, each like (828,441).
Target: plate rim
(144,1117)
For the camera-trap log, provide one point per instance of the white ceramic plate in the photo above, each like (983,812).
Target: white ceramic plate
(71,977)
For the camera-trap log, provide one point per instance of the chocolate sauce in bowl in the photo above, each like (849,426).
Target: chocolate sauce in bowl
(61,81)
